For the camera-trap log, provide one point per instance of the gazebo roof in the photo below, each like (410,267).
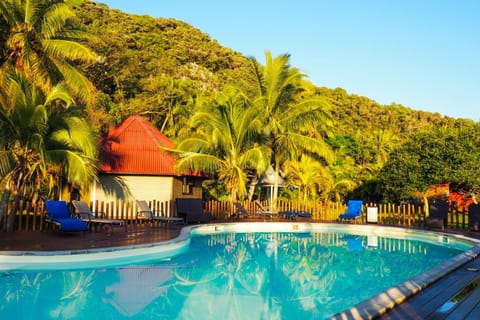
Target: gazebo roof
(135,147)
(268,178)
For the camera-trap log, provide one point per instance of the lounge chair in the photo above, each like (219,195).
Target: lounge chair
(292,215)
(438,211)
(59,215)
(354,211)
(474,216)
(191,210)
(95,218)
(261,210)
(145,213)
(240,211)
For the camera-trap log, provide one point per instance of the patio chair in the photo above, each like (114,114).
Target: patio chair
(240,211)
(438,214)
(4,203)
(59,215)
(191,209)
(95,218)
(145,213)
(292,215)
(261,210)
(354,211)
(474,217)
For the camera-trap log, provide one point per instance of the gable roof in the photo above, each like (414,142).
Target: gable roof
(134,147)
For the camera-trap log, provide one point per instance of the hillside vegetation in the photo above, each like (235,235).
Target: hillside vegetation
(329,144)
(153,65)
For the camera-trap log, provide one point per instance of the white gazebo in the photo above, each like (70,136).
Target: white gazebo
(268,181)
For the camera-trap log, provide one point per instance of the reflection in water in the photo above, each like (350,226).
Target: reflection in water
(228,276)
(137,288)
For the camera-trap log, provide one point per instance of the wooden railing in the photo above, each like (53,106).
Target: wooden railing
(26,216)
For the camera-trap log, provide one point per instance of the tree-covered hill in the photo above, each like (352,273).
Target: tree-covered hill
(164,68)
(71,66)
(150,63)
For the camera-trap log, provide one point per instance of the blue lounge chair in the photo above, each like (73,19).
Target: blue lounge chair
(58,214)
(354,211)
(292,215)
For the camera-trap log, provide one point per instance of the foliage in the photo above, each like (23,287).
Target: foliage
(168,71)
(44,46)
(152,66)
(288,115)
(436,156)
(224,142)
(41,142)
(310,177)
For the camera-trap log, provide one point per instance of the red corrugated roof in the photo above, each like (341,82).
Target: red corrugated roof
(134,147)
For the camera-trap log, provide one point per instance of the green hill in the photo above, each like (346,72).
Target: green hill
(158,67)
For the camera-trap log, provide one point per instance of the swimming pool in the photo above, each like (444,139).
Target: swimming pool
(242,270)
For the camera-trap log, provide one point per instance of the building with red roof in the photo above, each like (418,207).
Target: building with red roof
(135,165)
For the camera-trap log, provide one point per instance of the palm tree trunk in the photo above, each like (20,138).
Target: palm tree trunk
(426,208)
(251,188)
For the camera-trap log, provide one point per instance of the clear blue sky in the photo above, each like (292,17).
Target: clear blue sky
(423,54)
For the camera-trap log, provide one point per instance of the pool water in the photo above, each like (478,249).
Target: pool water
(230,275)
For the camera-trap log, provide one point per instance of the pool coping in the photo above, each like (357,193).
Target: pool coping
(368,309)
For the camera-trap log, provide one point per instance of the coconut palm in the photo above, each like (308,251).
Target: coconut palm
(225,142)
(384,143)
(43,46)
(310,176)
(290,119)
(41,142)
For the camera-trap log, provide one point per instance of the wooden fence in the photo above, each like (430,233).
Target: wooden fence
(27,216)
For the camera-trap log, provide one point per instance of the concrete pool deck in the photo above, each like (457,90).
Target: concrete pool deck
(445,297)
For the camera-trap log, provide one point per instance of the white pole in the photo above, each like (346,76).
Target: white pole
(271,198)
(94,192)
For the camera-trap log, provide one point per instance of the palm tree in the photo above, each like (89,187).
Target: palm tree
(310,176)
(41,142)
(384,143)
(225,142)
(290,119)
(43,46)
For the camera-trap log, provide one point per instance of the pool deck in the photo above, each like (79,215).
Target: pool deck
(455,296)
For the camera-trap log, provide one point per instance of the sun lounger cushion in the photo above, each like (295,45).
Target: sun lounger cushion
(59,214)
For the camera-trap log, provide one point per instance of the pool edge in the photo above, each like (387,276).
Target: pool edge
(368,309)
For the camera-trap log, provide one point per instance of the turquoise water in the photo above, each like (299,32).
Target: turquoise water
(229,276)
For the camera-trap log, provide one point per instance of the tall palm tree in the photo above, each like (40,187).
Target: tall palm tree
(225,142)
(40,142)
(43,46)
(290,119)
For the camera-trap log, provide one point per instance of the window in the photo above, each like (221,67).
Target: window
(187,185)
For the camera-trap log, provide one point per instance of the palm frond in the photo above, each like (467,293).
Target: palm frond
(198,162)
(67,49)
(6,11)
(54,19)
(79,85)
(6,163)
